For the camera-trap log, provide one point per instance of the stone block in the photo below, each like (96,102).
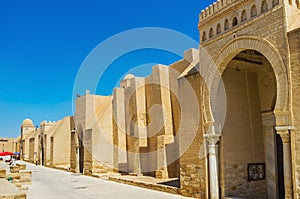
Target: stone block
(14,176)
(161,174)
(26,174)
(22,166)
(14,169)
(2,173)
(10,191)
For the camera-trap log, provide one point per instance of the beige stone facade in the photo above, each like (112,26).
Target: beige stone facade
(48,144)
(91,143)
(57,142)
(7,144)
(252,46)
(224,119)
(145,111)
(27,130)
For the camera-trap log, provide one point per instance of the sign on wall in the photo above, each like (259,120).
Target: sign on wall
(256,171)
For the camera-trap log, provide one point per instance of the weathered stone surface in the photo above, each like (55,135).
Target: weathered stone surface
(22,166)
(2,173)
(247,140)
(14,169)
(10,191)
(155,126)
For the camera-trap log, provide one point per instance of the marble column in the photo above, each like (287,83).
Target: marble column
(212,140)
(284,133)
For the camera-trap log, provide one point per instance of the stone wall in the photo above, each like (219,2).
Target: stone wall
(160,123)
(7,144)
(193,168)
(102,137)
(73,151)
(273,31)
(57,139)
(93,119)
(31,149)
(119,132)
(174,72)
(294,42)
(62,144)
(242,138)
(237,184)
(136,131)
(88,152)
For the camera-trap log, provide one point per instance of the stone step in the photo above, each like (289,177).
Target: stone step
(14,175)
(22,166)
(14,169)
(10,191)
(24,188)
(2,173)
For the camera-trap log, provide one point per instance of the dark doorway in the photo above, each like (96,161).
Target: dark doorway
(280,176)
(81,156)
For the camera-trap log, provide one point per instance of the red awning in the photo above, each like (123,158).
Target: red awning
(6,153)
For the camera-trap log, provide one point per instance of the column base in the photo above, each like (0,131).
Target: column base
(161,174)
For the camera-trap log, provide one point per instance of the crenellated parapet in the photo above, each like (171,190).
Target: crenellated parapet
(46,125)
(216,7)
(226,15)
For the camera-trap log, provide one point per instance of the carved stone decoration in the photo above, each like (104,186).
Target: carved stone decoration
(256,171)
(212,139)
(284,133)
(285,136)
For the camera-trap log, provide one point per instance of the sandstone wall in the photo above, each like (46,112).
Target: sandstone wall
(242,140)
(119,131)
(193,168)
(294,42)
(102,139)
(61,143)
(273,31)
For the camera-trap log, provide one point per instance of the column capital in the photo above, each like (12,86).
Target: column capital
(285,136)
(284,132)
(212,139)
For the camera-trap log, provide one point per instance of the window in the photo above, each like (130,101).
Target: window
(204,36)
(244,16)
(234,22)
(264,6)
(211,32)
(275,3)
(218,29)
(226,25)
(253,11)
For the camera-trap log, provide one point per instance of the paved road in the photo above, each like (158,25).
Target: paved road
(50,183)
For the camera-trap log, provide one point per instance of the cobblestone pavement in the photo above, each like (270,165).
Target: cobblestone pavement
(50,183)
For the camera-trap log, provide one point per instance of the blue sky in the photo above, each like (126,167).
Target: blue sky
(43,44)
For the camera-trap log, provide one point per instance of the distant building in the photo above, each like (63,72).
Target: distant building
(7,144)
(48,145)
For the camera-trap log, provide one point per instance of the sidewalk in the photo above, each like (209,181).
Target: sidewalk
(48,183)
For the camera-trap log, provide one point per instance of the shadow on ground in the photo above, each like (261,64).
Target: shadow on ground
(172,183)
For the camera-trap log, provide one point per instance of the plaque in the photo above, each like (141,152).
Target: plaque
(256,171)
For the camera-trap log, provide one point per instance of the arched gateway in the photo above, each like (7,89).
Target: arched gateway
(252,152)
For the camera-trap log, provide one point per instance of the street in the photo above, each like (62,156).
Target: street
(50,183)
